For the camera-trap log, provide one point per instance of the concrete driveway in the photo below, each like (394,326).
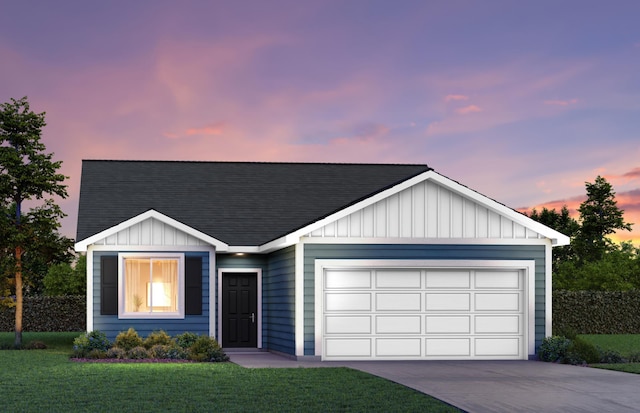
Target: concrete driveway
(495,386)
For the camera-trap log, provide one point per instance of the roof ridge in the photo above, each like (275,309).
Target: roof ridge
(257,162)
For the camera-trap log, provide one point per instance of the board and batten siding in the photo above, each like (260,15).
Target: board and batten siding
(425,210)
(150,232)
(111,325)
(419,252)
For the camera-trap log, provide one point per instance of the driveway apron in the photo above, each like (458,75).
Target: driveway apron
(514,386)
(494,386)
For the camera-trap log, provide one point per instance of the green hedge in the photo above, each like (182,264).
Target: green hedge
(48,314)
(597,312)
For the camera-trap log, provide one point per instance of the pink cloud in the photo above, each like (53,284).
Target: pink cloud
(468,109)
(561,102)
(213,129)
(451,98)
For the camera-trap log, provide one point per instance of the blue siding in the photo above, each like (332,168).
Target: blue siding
(111,325)
(419,252)
(279,302)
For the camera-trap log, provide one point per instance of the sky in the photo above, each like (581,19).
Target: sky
(522,101)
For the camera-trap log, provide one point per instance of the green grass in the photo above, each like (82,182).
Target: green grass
(625,344)
(46,380)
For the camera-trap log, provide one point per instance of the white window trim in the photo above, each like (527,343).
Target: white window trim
(145,316)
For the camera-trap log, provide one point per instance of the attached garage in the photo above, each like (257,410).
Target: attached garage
(392,310)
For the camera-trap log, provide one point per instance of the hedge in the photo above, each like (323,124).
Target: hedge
(596,312)
(585,312)
(45,314)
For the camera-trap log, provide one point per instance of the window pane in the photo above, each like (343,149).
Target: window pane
(137,273)
(163,290)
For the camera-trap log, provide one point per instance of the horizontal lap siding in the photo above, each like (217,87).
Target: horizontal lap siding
(419,252)
(111,325)
(279,302)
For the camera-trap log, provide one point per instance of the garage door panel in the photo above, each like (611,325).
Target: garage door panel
(448,324)
(350,347)
(398,324)
(448,302)
(448,279)
(498,279)
(347,302)
(497,302)
(398,347)
(398,279)
(497,347)
(398,302)
(348,325)
(497,324)
(448,347)
(347,279)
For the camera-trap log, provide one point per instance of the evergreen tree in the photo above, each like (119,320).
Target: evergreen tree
(599,217)
(27,173)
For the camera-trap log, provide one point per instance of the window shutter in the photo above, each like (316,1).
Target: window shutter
(109,285)
(193,285)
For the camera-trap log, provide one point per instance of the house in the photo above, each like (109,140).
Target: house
(324,261)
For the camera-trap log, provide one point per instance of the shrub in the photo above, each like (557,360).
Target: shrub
(185,340)
(610,356)
(206,349)
(128,340)
(93,340)
(157,337)
(116,353)
(162,351)
(581,351)
(553,348)
(36,345)
(97,354)
(138,353)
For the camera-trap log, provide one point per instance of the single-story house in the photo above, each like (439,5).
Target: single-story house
(323,261)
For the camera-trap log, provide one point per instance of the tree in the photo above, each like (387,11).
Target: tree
(599,217)
(65,279)
(563,223)
(27,173)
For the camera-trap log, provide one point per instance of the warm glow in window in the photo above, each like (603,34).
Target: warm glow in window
(151,285)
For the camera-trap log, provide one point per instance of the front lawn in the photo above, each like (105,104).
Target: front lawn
(46,380)
(627,345)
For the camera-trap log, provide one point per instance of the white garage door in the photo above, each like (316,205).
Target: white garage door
(424,313)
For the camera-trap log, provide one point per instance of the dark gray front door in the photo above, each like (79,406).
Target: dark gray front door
(239,309)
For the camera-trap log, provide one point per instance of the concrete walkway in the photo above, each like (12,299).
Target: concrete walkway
(493,386)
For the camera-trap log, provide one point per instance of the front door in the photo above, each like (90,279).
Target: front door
(239,309)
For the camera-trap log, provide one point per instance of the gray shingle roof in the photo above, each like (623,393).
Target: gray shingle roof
(239,203)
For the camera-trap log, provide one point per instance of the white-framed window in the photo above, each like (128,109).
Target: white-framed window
(150,285)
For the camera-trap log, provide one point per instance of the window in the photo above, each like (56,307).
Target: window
(151,286)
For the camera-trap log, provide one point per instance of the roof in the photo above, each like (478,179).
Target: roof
(238,203)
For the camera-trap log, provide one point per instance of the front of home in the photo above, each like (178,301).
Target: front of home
(323,261)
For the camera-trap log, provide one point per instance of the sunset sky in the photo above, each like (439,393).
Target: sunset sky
(523,101)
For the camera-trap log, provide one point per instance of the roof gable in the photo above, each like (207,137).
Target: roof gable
(234,203)
(429,206)
(150,228)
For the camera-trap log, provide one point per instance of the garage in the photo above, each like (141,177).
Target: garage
(430,310)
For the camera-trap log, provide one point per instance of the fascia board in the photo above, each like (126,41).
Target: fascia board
(81,246)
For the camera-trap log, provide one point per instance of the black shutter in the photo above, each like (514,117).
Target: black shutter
(109,285)
(193,285)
